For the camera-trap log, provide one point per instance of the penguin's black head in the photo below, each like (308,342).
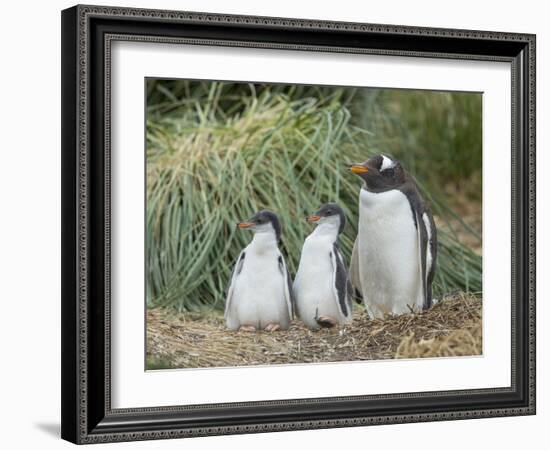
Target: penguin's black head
(330,212)
(262,222)
(380,173)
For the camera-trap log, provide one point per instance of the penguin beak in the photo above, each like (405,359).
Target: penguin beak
(359,168)
(245,224)
(313,218)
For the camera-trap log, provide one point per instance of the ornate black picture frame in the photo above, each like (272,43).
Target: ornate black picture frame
(87,34)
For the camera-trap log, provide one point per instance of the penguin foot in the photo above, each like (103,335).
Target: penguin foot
(248,328)
(272,327)
(326,322)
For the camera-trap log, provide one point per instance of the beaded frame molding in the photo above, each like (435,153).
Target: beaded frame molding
(87,34)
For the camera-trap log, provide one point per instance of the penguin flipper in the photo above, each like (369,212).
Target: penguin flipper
(431,254)
(341,282)
(354,272)
(288,292)
(427,240)
(426,245)
(236,271)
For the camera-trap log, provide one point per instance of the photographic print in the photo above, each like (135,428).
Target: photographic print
(302,199)
(307,224)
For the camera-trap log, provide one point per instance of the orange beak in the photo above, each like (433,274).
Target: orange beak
(245,224)
(313,218)
(359,168)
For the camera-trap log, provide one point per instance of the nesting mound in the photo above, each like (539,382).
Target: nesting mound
(451,328)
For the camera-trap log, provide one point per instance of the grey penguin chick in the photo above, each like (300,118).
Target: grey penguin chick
(322,287)
(394,255)
(260,295)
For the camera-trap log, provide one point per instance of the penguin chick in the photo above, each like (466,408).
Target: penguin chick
(322,287)
(259,296)
(394,256)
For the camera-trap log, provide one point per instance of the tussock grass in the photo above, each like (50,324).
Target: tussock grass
(216,153)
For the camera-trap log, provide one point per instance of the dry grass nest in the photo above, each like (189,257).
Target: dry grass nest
(450,328)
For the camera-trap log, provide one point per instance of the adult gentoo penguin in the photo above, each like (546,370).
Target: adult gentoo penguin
(394,255)
(322,287)
(260,292)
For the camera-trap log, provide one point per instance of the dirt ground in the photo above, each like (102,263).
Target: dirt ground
(450,328)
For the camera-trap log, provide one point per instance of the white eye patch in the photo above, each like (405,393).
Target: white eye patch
(387,163)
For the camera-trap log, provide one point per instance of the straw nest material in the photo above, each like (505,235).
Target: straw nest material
(451,328)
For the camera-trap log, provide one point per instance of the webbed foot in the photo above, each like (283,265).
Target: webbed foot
(272,327)
(326,322)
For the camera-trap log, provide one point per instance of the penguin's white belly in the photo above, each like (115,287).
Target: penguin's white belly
(314,283)
(258,294)
(389,263)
